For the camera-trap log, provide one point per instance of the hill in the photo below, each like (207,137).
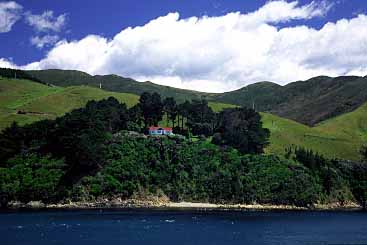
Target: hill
(25,101)
(330,139)
(308,102)
(65,78)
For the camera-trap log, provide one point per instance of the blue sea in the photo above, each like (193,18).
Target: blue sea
(182,227)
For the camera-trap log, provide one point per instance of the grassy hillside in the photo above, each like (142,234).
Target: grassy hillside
(351,125)
(65,78)
(17,93)
(37,101)
(308,102)
(339,137)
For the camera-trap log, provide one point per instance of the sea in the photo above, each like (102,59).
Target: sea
(176,227)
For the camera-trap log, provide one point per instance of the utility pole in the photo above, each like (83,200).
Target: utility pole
(100,85)
(15,75)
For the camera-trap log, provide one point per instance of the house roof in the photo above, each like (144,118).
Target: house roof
(156,128)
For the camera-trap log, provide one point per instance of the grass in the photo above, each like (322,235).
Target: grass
(43,102)
(217,107)
(339,137)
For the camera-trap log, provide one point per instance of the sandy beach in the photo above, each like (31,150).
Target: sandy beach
(138,204)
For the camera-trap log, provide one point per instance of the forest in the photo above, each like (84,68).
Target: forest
(103,150)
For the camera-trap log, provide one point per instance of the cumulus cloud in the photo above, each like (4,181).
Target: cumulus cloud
(10,13)
(45,41)
(223,53)
(46,21)
(4,63)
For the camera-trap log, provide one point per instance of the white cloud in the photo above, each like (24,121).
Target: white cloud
(4,63)
(45,41)
(46,21)
(223,53)
(10,13)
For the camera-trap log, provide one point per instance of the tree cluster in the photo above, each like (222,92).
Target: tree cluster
(240,128)
(340,181)
(89,153)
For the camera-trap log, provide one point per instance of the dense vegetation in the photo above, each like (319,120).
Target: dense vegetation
(25,102)
(99,150)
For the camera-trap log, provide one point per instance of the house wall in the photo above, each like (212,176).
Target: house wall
(160,132)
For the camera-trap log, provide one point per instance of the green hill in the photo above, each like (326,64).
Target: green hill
(65,78)
(308,102)
(331,139)
(25,101)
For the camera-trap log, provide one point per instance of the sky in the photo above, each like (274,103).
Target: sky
(211,46)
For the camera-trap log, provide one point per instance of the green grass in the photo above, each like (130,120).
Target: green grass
(74,97)
(339,137)
(43,102)
(217,106)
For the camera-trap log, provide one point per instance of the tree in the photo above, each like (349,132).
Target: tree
(242,129)
(11,142)
(183,112)
(152,108)
(30,177)
(359,183)
(364,152)
(136,119)
(311,160)
(170,108)
(200,118)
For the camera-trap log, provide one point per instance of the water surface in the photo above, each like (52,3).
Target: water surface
(182,227)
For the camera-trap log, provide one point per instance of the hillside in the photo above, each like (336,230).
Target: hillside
(331,139)
(65,78)
(308,102)
(25,101)
(339,137)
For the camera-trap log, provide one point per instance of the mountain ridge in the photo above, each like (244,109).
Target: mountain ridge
(308,102)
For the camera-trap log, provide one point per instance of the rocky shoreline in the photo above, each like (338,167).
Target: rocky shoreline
(144,204)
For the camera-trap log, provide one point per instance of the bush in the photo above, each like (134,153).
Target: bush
(31,177)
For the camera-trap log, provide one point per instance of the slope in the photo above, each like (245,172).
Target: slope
(113,83)
(26,101)
(339,137)
(308,102)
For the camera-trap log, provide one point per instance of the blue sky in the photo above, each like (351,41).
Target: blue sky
(44,27)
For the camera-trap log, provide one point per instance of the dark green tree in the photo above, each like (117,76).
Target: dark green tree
(183,112)
(31,177)
(200,118)
(364,152)
(242,129)
(11,142)
(170,108)
(136,119)
(359,183)
(152,108)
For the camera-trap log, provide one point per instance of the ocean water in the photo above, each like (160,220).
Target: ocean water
(182,227)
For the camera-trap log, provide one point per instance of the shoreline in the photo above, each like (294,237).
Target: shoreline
(187,206)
